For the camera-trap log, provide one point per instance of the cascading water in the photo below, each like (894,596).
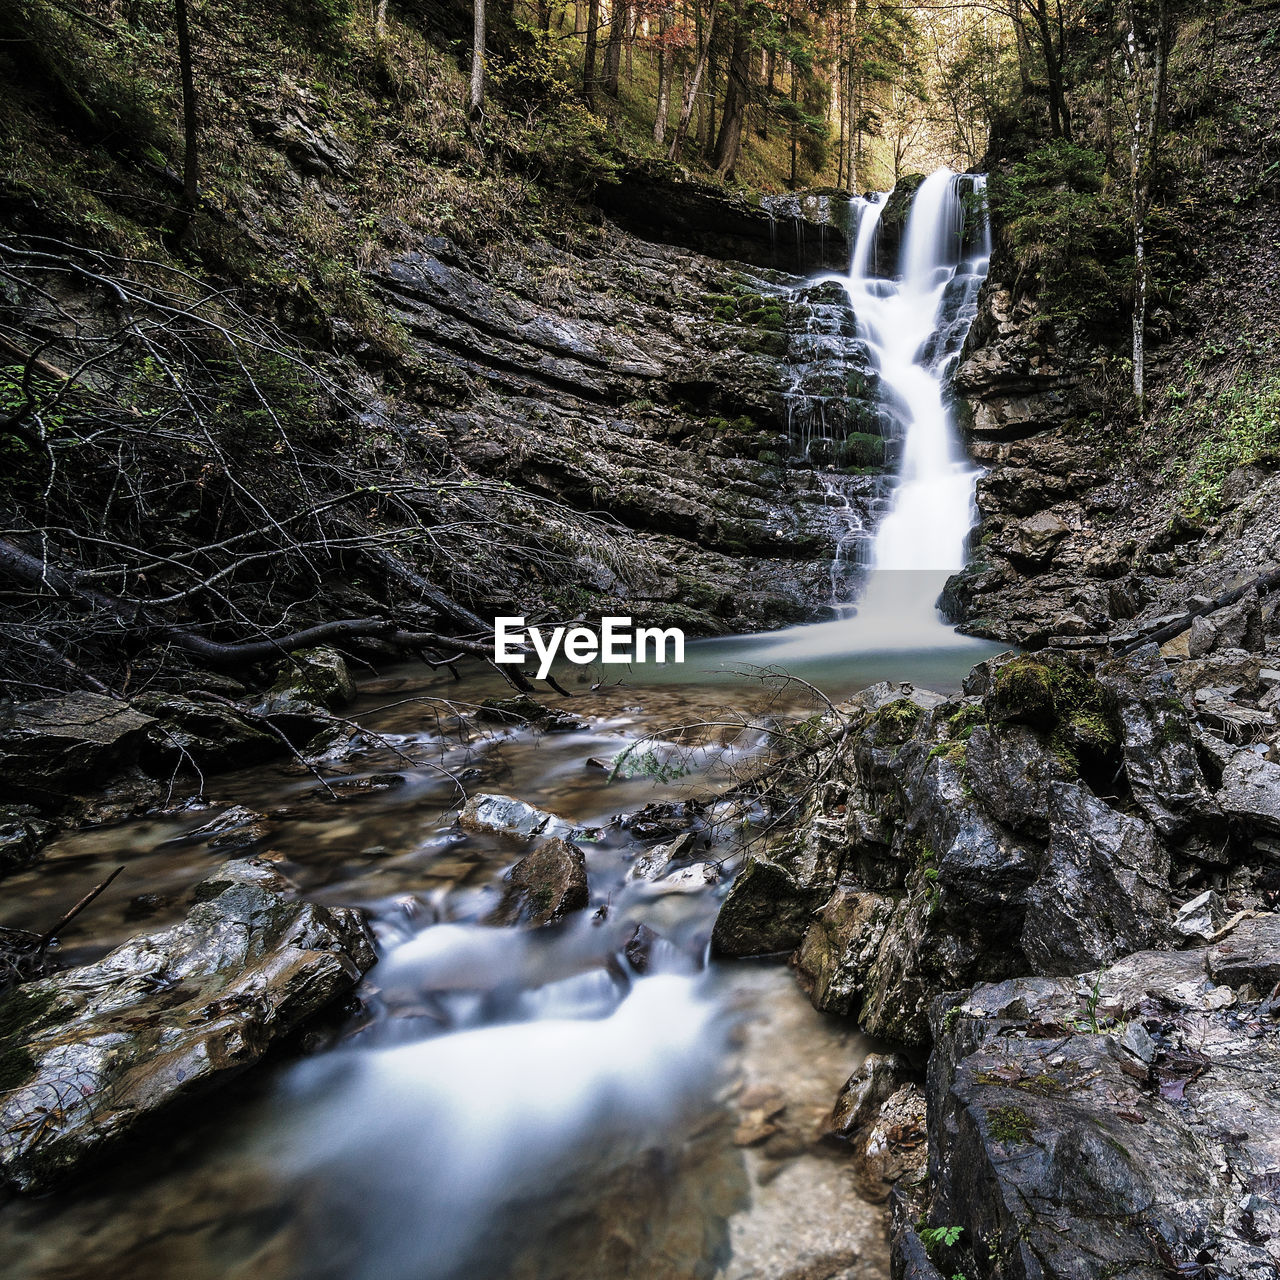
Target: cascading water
(913,327)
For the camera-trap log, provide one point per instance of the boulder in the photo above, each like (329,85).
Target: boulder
(51,746)
(1103,890)
(87,1056)
(200,735)
(1250,792)
(893,1147)
(544,887)
(505,815)
(23,835)
(858,1104)
(318,676)
(1126,1117)
(1161,764)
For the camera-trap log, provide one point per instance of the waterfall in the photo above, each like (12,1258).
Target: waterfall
(913,327)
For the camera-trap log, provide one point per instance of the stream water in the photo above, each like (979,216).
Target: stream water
(516,1104)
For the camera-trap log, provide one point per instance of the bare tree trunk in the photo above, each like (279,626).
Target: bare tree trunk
(795,130)
(737,96)
(691,90)
(380,19)
(613,50)
(666,66)
(476,101)
(589,61)
(190,123)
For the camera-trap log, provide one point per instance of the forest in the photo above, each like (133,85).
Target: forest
(638,639)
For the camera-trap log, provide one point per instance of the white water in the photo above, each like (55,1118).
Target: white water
(914,341)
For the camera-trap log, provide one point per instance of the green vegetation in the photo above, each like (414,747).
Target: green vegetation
(894,722)
(1010,1125)
(1237,426)
(1066,223)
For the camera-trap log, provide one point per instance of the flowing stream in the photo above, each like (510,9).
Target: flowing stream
(531,1104)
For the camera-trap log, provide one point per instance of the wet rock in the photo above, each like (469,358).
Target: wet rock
(318,676)
(49,747)
(1036,538)
(893,1148)
(236,828)
(654,863)
(523,709)
(91,1054)
(771,901)
(200,735)
(1160,759)
(1102,1118)
(1250,792)
(1104,889)
(508,816)
(865,1092)
(639,948)
(759,1107)
(1013,772)
(1202,917)
(1239,626)
(840,946)
(544,887)
(23,835)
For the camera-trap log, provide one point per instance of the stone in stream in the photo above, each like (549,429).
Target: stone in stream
(48,748)
(865,1092)
(505,815)
(89,1055)
(309,685)
(23,835)
(206,735)
(544,887)
(522,709)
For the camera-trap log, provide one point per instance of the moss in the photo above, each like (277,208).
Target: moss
(1009,1125)
(1024,690)
(23,1013)
(895,720)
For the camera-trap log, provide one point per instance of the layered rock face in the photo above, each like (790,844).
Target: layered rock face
(1060,884)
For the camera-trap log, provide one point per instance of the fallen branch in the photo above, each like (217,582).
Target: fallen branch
(1263,583)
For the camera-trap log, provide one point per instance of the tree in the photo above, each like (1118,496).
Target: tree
(737,96)
(589,57)
(691,89)
(476,101)
(1145,45)
(190,123)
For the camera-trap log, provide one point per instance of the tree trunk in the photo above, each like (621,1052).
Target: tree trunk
(795,131)
(691,90)
(589,60)
(190,124)
(476,100)
(666,66)
(736,98)
(613,50)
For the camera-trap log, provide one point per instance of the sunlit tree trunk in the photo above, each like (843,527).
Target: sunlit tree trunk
(666,67)
(737,95)
(691,89)
(476,100)
(190,123)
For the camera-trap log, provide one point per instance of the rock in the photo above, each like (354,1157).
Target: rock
(768,907)
(544,887)
(1250,792)
(1013,772)
(49,747)
(200,735)
(858,1104)
(1037,538)
(1103,890)
(894,1147)
(639,948)
(840,947)
(1160,760)
(1202,917)
(508,816)
(1239,626)
(654,863)
(664,202)
(1202,637)
(690,879)
(23,835)
(102,1049)
(236,828)
(523,709)
(318,676)
(759,1107)
(1126,1117)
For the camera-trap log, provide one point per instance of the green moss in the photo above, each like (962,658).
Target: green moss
(860,449)
(1024,691)
(1009,1125)
(23,1013)
(895,720)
